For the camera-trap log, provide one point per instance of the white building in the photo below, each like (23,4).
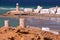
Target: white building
(55,32)
(45,28)
(48,29)
(38,9)
(28,10)
(58,11)
(43,11)
(52,11)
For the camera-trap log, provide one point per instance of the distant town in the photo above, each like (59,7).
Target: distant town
(39,9)
(30,12)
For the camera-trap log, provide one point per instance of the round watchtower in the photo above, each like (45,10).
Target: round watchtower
(17,7)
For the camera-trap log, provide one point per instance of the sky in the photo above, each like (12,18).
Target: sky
(30,2)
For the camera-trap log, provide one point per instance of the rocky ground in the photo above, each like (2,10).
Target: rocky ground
(18,33)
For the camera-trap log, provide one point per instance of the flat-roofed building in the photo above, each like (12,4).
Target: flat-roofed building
(45,28)
(28,10)
(58,11)
(44,11)
(51,11)
(38,9)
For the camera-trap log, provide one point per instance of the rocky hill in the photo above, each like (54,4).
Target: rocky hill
(18,33)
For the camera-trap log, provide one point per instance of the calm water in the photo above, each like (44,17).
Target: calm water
(52,23)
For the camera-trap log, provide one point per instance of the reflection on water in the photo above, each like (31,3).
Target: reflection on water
(53,23)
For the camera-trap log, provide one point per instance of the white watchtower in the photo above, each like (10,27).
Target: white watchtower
(17,7)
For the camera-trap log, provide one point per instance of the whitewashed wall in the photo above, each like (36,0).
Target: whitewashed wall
(28,10)
(58,11)
(43,11)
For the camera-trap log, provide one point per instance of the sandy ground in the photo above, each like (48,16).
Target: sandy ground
(28,33)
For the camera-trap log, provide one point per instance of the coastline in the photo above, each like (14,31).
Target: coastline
(8,8)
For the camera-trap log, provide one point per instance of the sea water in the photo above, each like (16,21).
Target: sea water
(14,22)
